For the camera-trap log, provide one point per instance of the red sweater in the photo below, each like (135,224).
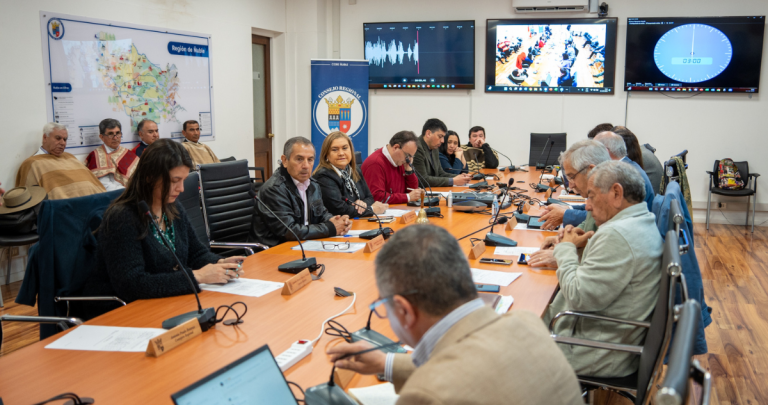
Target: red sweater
(385,180)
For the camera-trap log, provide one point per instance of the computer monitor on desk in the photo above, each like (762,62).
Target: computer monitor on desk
(253,379)
(540,150)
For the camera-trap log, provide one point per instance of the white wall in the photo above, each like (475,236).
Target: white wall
(709,126)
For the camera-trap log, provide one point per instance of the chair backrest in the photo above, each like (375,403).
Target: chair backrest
(674,388)
(537,152)
(190,200)
(658,335)
(227,204)
(743,172)
(229,159)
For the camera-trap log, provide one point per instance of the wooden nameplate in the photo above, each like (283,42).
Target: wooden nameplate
(526,207)
(477,251)
(511,224)
(297,282)
(166,342)
(408,217)
(374,244)
(343,377)
(548,194)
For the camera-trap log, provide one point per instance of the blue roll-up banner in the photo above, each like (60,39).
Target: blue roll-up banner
(340,101)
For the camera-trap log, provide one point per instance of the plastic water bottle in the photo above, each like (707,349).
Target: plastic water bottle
(495,205)
(450,199)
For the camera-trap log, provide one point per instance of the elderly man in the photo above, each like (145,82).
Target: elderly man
(618,151)
(148,134)
(58,172)
(464,353)
(111,163)
(294,197)
(617,275)
(200,153)
(389,176)
(427,158)
(479,154)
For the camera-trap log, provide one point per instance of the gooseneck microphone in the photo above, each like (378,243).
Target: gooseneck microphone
(206,317)
(386,232)
(427,201)
(511,167)
(295,266)
(502,221)
(540,165)
(492,239)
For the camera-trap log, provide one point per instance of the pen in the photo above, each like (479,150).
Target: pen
(390,196)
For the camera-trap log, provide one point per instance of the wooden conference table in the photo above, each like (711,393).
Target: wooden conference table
(34,373)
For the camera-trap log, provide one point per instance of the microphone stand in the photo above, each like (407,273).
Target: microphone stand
(206,317)
(511,166)
(386,232)
(502,221)
(492,239)
(542,154)
(544,187)
(430,201)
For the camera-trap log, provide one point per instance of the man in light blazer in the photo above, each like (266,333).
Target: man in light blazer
(464,353)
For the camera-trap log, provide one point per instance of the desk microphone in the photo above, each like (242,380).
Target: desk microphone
(386,232)
(206,317)
(511,167)
(492,239)
(427,201)
(296,266)
(542,165)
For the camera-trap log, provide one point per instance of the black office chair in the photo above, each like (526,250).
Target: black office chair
(190,200)
(681,366)
(359,159)
(635,386)
(541,153)
(227,205)
(9,242)
(747,177)
(228,159)
(257,182)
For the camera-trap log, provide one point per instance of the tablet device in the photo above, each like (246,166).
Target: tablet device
(535,222)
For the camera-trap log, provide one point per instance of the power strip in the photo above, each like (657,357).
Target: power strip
(294,354)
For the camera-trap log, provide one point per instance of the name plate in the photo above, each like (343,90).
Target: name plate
(166,342)
(548,193)
(526,208)
(342,378)
(374,244)
(408,217)
(511,224)
(477,250)
(297,282)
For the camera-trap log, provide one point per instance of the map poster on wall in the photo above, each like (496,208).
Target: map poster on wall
(96,69)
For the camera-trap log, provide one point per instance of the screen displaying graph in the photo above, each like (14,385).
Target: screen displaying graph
(421,55)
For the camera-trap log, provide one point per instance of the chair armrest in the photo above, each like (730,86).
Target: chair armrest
(244,245)
(57,299)
(754,175)
(620,347)
(258,169)
(639,324)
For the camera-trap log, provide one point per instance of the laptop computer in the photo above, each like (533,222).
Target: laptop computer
(253,379)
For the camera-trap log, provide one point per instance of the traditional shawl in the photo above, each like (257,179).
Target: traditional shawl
(201,154)
(121,163)
(61,176)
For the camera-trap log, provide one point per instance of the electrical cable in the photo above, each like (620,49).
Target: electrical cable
(300,389)
(231,322)
(322,327)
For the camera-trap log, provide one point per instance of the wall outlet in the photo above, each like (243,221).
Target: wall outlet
(721,205)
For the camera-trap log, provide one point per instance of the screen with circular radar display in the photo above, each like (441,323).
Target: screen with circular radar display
(704,54)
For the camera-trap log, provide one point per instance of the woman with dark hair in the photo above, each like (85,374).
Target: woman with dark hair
(341,180)
(132,263)
(452,155)
(634,153)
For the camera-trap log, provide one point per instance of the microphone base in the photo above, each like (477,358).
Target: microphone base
(541,188)
(429,202)
(492,239)
(207,319)
(297,266)
(482,184)
(376,232)
(325,394)
(376,339)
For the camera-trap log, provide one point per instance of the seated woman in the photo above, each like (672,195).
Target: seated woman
(452,155)
(132,263)
(341,180)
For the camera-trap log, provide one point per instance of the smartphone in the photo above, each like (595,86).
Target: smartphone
(386,221)
(381,217)
(535,222)
(496,261)
(489,288)
(523,258)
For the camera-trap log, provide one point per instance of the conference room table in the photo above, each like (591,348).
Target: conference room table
(35,373)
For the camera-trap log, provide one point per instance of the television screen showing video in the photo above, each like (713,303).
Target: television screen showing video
(694,54)
(420,55)
(574,55)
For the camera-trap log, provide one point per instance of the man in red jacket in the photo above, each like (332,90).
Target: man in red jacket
(389,177)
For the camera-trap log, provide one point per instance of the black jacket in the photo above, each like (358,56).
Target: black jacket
(135,269)
(334,193)
(427,163)
(282,197)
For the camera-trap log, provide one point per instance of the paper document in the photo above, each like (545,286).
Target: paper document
(352,234)
(317,246)
(514,251)
(382,394)
(244,286)
(502,307)
(395,213)
(499,278)
(106,339)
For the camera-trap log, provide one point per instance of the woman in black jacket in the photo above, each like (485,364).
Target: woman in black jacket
(132,263)
(341,180)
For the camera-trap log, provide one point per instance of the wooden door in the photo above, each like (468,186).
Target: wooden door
(262,105)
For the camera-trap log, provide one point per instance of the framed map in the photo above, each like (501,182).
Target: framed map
(96,69)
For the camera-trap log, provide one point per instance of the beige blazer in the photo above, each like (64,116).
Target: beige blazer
(490,359)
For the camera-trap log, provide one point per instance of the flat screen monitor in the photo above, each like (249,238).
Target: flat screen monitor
(694,54)
(551,56)
(253,379)
(435,55)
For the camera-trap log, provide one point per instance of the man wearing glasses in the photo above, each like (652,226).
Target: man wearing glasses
(464,353)
(388,173)
(110,162)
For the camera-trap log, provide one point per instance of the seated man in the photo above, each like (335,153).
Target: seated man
(201,153)
(427,159)
(58,172)
(479,154)
(148,134)
(464,353)
(618,151)
(294,197)
(617,275)
(110,162)
(390,178)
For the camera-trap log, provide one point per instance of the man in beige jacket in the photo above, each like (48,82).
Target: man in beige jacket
(617,275)
(464,353)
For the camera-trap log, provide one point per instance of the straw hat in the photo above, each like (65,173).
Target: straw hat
(21,198)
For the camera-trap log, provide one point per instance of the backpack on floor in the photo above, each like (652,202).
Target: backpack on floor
(729,176)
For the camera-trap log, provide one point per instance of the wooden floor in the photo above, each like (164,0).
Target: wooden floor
(734,266)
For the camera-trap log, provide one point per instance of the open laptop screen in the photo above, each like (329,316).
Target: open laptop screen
(253,379)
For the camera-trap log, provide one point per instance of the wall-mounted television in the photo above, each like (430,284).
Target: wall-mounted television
(551,56)
(701,54)
(420,55)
